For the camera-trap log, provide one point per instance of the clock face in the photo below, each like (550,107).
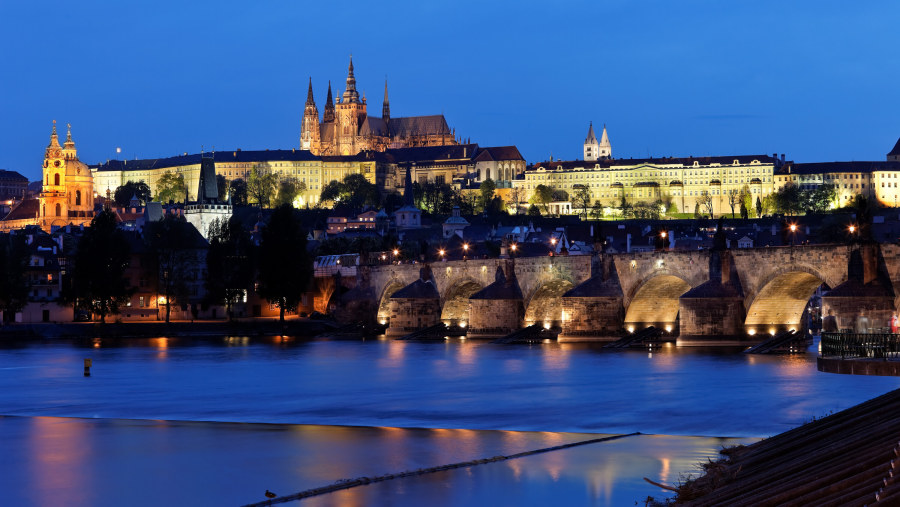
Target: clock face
(56,163)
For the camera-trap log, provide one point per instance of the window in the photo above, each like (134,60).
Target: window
(58,207)
(78,198)
(56,179)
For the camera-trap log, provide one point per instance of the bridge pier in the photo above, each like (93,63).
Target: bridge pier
(499,308)
(594,310)
(416,306)
(714,310)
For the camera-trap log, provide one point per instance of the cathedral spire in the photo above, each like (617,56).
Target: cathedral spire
(350,94)
(386,108)
(329,106)
(591,138)
(309,95)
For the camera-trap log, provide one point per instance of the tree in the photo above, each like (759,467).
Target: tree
(759,207)
(706,200)
(543,196)
(237,192)
(261,187)
(533,211)
(285,268)
(745,213)
(125,192)
(170,187)
(819,199)
(229,263)
(516,195)
(697,209)
(172,245)
(788,199)
(288,190)
(560,195)
(14,285)
(222,187)
(98,273)
(582,200)
(734,198)
(486,192)
(597,210)
(354,190)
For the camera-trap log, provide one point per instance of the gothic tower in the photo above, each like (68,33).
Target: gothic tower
(591,146)
(350,112)
(309,129)
(329,106)
(386,108)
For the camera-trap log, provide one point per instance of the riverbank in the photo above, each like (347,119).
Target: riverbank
(847,458)
(255,327)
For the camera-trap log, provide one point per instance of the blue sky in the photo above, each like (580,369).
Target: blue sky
(815,80)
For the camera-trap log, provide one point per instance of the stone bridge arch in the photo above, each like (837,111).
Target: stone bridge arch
(383,313)
(544,304)
(455,299)
(655,300)
(778,300)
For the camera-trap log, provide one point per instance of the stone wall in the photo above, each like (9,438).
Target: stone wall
(601,317)
(494,317)
(409,314)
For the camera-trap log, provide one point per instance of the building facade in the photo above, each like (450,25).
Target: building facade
(346,128)
(682,182)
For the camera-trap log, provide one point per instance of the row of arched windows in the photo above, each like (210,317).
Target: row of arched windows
(55,179)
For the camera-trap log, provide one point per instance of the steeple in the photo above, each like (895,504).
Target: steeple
(329,106)
(605,147)
(591,138)
(309,95)
(386,108)
(591,147)
(69,147)
(350,94)
(408,189)
(54,139)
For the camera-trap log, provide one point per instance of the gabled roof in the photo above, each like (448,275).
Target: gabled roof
(420,289)
(12,175)
(499,153)
(419,125)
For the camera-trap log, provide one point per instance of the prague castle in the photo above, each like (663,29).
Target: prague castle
(346,128)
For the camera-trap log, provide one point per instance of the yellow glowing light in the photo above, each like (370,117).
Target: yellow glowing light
(852,228)
(772,331)
(462,324)
(162,300)
(465,246)
(793,227)
(663,234)
(630,329)
(383,322)
(441,252)
(513,247)
(553,241)
(751,332)
(668,329)
(396,252)
(546,325)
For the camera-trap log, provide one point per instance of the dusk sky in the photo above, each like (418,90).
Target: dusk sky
(815,80)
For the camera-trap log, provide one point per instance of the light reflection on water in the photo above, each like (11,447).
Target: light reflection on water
(91,462)
(453,383)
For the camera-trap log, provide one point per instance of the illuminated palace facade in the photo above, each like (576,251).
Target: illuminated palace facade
(683,182)
(346,127)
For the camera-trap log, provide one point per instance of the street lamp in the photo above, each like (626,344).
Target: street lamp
(441,252)
(513,247)
(465,250)
(793,228)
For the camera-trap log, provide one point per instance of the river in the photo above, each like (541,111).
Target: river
(217,421)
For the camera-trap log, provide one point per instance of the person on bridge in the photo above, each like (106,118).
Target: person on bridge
(895,323)
(862,323)
(829,323)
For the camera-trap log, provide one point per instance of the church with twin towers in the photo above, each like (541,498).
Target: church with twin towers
(346,128)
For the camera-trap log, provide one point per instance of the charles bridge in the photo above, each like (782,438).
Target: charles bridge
(727,296)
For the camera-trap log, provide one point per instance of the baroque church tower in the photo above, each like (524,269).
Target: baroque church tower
(67,194)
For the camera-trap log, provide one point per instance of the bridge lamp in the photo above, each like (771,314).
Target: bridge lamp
(669,329)
(553,241)
(751,332)
(546,325)
(441,252)
(396,252)
(663,234)
(772,331)
(513,247)
(462,324)
(630,329)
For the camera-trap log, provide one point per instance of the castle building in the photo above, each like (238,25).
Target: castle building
(346,128)
(67,192)
(594,150)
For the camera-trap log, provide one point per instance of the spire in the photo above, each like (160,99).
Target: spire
(54,139)
(350,94)
(329,106)
(591,138)
(309,95)
(604,138)
(70,144)
(386,108)
(408,189)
